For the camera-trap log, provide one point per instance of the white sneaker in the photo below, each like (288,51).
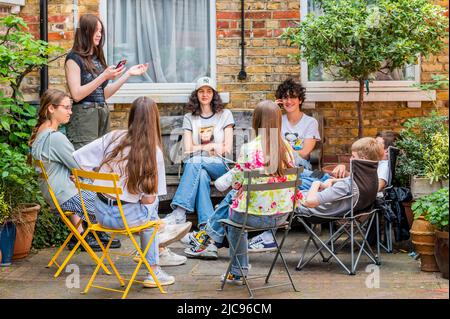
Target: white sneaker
(175,217)
(172,233)
(163,278)
(169,258)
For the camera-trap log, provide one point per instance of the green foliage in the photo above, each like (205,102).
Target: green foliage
(436,157)
(50,231)
(439,82)
(5,208)
(361,37)
(354,39)
(17,120)
(20,53)
(434,208)
(18,179)
(416,143)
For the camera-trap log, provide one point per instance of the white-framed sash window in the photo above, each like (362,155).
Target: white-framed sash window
(176,37)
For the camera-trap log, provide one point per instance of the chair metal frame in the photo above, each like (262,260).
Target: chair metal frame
(252,187)
(354,223)
(64,215)
(387,242)
(114,192)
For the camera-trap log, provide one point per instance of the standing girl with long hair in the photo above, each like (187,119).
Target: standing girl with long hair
(136,156)
(87,78)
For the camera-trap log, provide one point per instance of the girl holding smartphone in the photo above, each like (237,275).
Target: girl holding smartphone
(88,79)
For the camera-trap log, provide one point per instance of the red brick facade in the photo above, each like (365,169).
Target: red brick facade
(267,64)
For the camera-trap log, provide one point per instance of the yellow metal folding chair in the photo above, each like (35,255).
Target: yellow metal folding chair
(114,191)
(72,228)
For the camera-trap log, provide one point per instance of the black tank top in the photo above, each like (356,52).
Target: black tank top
(98,95)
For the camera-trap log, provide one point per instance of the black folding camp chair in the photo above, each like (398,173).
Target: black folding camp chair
(352,225)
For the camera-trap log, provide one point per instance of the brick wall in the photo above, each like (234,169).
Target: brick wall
(267,64)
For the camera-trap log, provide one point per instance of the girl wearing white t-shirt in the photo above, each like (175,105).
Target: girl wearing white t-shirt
(302,133)
(136,156)
(208,131)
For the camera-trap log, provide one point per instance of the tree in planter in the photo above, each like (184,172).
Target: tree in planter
(354,39)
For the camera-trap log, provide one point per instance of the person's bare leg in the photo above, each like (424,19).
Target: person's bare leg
(74,218)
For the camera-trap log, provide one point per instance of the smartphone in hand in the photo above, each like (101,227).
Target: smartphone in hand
(121,63)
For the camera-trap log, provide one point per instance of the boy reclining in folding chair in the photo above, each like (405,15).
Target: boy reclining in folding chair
(386,139)
(323,198)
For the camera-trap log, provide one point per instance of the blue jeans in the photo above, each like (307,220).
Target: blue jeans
(193,193)
(136,214)
(213,227)
(258,221)
(307,180)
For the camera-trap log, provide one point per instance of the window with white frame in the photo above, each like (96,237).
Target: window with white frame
(393,86)
(176,38)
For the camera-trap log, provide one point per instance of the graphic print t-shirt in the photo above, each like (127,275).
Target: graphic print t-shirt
(207,130)
(307,127)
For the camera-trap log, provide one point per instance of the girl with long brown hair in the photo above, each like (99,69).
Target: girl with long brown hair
(136,156)
(87,77)
(267,151)
(55,151)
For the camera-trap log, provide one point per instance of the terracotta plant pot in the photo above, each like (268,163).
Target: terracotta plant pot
(25,230)
(441,252)
(423,237)
(408,212)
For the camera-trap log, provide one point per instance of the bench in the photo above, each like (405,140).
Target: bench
(172,133)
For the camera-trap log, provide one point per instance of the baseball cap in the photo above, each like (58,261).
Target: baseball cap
(206,81)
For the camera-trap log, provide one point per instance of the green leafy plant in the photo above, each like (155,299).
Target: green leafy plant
(5,208)
(416,144)
(353,39)
(20,54)
(434,208)
(436,157)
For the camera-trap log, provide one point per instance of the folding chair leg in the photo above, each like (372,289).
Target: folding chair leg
(231,260)
(279,247)
(143,260)
(105,252)
(61,248)
(324,245)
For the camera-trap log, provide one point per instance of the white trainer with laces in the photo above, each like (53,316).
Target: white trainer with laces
(173,233)
(163,278)
(169,258)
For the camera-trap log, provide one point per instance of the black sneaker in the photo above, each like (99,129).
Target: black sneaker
(90,239)
(105,238)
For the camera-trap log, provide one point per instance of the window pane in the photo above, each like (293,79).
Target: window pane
(173,36)
(406,73)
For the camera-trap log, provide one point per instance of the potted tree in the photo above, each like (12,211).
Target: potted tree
(430,230)
(20,54)
(354,39)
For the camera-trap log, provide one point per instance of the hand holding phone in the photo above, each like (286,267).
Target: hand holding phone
(121,63)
